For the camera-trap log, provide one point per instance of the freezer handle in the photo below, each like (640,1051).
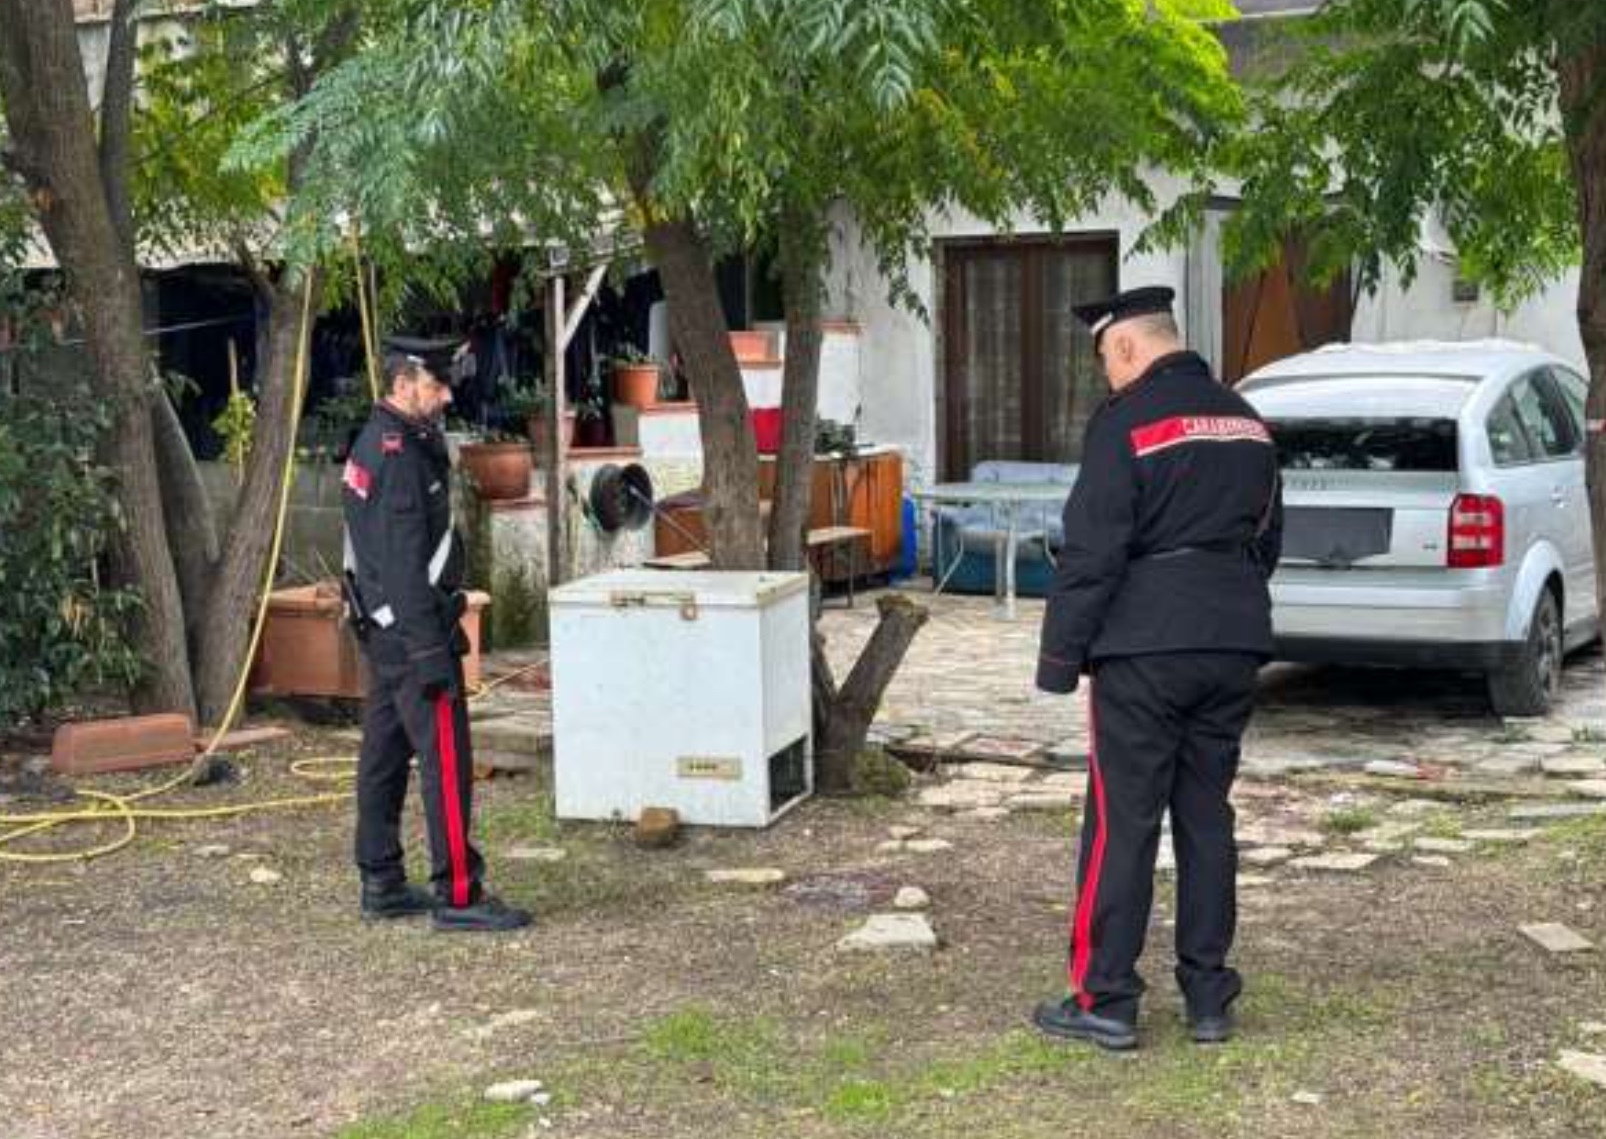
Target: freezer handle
(644,599)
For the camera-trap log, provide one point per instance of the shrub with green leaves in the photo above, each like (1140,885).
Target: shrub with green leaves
(63,629)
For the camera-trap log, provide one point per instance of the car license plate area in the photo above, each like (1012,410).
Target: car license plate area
(1336,535)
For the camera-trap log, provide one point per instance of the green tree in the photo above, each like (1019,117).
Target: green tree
(1486,115)
(722,125)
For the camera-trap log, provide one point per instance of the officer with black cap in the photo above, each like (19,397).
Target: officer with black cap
(1160,595)
(404,574)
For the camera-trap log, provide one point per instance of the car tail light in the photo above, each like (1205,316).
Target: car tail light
(1477,532)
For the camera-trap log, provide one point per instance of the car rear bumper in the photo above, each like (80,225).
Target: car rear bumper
(1477,656)
(1412,618)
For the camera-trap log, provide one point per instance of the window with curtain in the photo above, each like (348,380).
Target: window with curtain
(1020,375)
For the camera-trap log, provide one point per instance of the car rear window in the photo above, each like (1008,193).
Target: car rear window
(1365,444)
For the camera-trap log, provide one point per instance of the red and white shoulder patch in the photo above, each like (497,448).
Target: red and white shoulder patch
(1167,433)
(358,479)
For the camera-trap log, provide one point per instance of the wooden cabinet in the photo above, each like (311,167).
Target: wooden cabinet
(864,490)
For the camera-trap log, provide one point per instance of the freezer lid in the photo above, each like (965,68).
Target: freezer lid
(707,589)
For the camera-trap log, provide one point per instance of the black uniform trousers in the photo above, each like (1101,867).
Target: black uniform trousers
(400,722)
(1165,732)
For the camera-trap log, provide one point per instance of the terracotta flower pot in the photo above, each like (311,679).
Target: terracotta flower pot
(753,347)
(591,431)
(636,384)
(498,470)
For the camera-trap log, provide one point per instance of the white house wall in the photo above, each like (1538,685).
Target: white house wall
(898,356)
(899,352)
(1428,311)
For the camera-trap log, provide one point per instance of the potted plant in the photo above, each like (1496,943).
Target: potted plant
(498,463)
(635,377)
(522,401)
(591,419)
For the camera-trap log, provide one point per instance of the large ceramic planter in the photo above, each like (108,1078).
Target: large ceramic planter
(498,471)
(635,384)
(308,650)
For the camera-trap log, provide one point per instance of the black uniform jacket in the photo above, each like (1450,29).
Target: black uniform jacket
(1172,530)
(408,559)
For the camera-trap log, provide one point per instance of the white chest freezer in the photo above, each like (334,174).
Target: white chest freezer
(685,690)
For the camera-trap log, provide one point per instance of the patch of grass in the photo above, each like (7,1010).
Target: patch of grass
(528,819)
(1445,825)
(1349,820)
(877,773)
(862,1082)
(745,1057)
(1585,836)
(599,874)
(463,1120)
(862,1101)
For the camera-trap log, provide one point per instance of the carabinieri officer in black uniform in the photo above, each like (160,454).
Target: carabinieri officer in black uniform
(404,576)
(1160,596)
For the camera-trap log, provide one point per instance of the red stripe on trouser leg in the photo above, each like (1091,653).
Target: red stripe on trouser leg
(1082,927)
(451,799)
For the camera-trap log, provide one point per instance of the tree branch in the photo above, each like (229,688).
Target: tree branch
(253,269)
(116,117)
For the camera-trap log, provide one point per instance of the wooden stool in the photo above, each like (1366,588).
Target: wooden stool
(832,542)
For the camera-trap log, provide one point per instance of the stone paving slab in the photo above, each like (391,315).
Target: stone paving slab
(971,669)
(1589,1066)
(1553,937)
(882,932)
(1345,863)
(969,677)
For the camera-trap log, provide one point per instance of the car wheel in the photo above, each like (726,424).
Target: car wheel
(1528,685)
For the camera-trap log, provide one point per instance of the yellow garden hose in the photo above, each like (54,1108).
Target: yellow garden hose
(121,807)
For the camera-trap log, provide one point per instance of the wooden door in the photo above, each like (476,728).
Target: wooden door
(1020,377)
(1276,314)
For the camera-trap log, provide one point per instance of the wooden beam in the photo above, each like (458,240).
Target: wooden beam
(556,495)
(577,311)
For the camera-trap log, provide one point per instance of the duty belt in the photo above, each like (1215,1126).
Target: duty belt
(1230,548)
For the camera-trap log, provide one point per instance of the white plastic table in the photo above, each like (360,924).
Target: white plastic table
(1010,499)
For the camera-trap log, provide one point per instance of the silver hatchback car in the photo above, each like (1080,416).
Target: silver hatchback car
(1436,513)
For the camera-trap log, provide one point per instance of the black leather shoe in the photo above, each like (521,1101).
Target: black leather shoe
(488,915)
(1211,1029)
(381,903)
(1067,1020)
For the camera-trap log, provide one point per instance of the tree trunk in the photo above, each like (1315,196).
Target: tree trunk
(1583,106)
(701,335)
(842,715)
(802,255)
(286,304)
(116,117)
(850,709)
(47,110)
(232,601)
(191,525)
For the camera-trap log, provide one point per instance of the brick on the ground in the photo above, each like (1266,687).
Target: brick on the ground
(126,743)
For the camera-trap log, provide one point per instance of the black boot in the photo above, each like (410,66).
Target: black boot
(1069,1021)
(394,900)
(1215,1029)
(488,915)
